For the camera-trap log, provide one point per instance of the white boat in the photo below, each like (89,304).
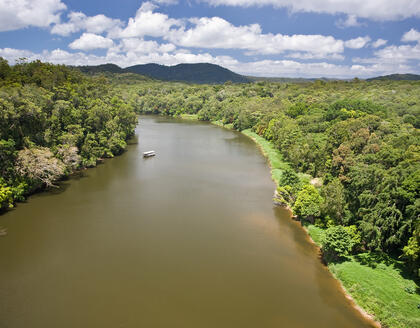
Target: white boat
(149,153)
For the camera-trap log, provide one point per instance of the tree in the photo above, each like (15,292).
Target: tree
(6,196)
(289,178)
(411,252)
(4,69)
(39,166)
(335,206)
(337,243)
(308,203)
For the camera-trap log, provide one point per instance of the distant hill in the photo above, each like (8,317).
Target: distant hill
(195,73)
(106,68)
(396,77)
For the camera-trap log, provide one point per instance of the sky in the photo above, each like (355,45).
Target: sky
(278,38)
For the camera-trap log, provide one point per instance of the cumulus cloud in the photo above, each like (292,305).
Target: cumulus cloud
(357,43)
(89,41)
(217,33)
(378,10)
(79,22)
(17,14)
(401,53)
(308,56)
(146,22)
(140,46)
(350,21)
(412,35)
(379,43)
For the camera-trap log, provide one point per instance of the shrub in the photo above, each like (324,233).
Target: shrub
(308,203)
(337,243)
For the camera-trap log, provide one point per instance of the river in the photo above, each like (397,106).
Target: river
(186,239)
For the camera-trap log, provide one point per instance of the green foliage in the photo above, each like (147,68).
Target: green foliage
(411,251)
(289,178)
(337,243)
(356,238)
(54,120)
(335,205)
(6,197)
(196,73)
(308,203)
(284,196)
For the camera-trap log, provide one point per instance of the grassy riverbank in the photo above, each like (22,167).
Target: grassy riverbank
(376,284)
(275,158)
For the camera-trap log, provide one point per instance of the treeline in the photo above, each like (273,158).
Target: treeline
(359,139)
(53,121)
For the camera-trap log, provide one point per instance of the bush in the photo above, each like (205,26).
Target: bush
(308,203)
(6,197)
(337,243)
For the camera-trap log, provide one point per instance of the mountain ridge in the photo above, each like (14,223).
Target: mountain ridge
(396,77)
(201,73)
(206,73)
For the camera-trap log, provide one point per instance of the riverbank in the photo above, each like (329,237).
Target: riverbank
(375,285)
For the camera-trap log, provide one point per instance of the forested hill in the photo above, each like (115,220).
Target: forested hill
(201,73)
(105,68)
(397,77)
(195,73)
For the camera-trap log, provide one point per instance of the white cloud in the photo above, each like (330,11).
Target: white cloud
(399,57)
(79,21)
(140,46)
(17,14)
(146,22)
(379,10)
(412,35)
(14,54)
(379,43)
(165,2)
(307,56)
(350,21)
(399,53)
(217,33)
(357,43)
(89,41)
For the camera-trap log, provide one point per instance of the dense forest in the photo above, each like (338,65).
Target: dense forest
(53,121)
(352,147)
(359,139)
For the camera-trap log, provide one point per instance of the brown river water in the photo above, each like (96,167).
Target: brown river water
(186,239)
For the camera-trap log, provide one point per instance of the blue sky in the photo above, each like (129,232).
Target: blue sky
(292,38)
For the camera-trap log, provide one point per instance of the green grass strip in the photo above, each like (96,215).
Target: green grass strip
(378,284)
